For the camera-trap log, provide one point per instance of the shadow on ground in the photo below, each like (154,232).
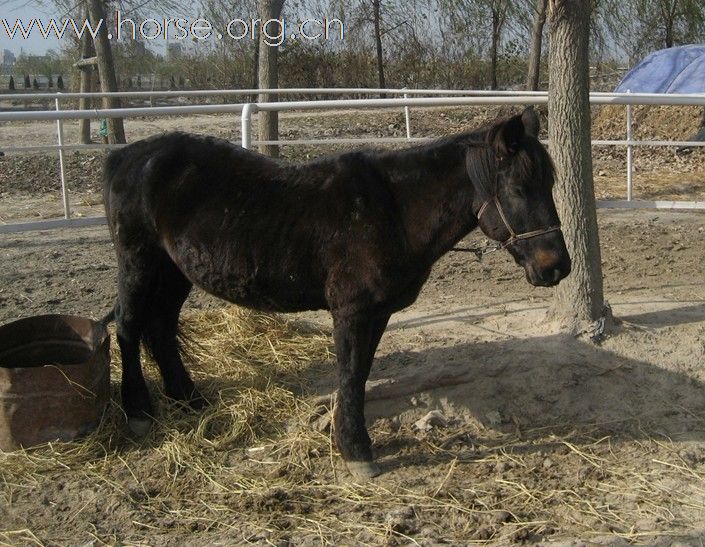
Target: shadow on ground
(555,380)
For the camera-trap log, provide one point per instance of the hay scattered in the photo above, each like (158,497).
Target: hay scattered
(252,469)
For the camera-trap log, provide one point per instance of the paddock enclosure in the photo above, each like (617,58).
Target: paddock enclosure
(538,436)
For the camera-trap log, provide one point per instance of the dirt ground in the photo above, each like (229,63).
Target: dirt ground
(617,430)
(543,438)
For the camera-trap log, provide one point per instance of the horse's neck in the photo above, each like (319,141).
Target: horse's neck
(435,197)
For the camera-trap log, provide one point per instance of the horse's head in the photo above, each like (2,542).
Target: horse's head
(513,178)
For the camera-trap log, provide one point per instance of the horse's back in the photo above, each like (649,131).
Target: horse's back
(157,164)
(169,177)
(247,228)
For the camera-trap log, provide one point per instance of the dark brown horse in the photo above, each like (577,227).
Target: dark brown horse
(355,233)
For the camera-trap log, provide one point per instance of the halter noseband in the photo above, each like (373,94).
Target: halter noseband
(513,236)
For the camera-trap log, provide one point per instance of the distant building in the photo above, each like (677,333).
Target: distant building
(7,60)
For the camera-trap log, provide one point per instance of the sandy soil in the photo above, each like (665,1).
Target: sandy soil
(545,438)
(617,428)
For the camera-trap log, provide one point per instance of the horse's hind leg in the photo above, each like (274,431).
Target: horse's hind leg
(161,330)
(356,340)
(135,279)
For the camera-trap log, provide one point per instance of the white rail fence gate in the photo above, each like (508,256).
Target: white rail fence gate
(245,111)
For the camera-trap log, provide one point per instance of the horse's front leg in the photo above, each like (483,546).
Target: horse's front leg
(356,339)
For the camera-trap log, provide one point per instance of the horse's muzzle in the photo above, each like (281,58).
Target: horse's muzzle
(547,274)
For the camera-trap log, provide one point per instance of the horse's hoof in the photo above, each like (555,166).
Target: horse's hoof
(363,471)
(139,427)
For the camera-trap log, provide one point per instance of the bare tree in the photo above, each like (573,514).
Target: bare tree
(640,26)
(238,62)
(579,299)
(534,71)
(680,20)
(500,11)
(106,70)
(370,12)
(483,14)
(268,78)
(86,84)
(378,44)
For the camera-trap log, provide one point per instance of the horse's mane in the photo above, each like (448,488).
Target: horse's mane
(530,162)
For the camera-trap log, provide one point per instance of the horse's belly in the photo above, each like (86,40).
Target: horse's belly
(238,280)
(279,297)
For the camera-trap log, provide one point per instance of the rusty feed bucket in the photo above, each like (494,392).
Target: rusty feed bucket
(54,379)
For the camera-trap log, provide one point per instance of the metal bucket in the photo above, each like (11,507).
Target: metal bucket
(54,379)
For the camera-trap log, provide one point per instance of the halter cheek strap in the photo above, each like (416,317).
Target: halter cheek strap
(513,236)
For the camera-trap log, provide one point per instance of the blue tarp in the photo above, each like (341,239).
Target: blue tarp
(674,70)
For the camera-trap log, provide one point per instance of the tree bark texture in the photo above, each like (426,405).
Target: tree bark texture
(579,299)
(494,49)
(376,16)
(268,74)
(106,70)
(255,70)
(86,86)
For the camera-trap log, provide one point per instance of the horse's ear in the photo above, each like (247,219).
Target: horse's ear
(531,121)
(507,136)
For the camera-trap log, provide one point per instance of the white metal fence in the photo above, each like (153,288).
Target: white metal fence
(438,98)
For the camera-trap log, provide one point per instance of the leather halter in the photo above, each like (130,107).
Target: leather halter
(513,236)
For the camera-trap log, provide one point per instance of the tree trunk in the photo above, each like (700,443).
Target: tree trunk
(255,70)
(86,86)
(495,47)
(669,34)
(534,71)
(268,78)
(106,71)
(669,16)
(578,300)
(378,43)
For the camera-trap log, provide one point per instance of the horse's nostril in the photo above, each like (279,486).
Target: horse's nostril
(551,276)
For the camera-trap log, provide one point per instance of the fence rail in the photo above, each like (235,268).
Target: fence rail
(278,91)
(440,98)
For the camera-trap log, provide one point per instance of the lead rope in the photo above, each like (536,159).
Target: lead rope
(479,252)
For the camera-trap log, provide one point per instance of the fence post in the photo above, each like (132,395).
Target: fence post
(407,115)
(62,173)
(246,124)
(630,167)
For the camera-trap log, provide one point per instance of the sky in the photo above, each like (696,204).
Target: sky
(18,9)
